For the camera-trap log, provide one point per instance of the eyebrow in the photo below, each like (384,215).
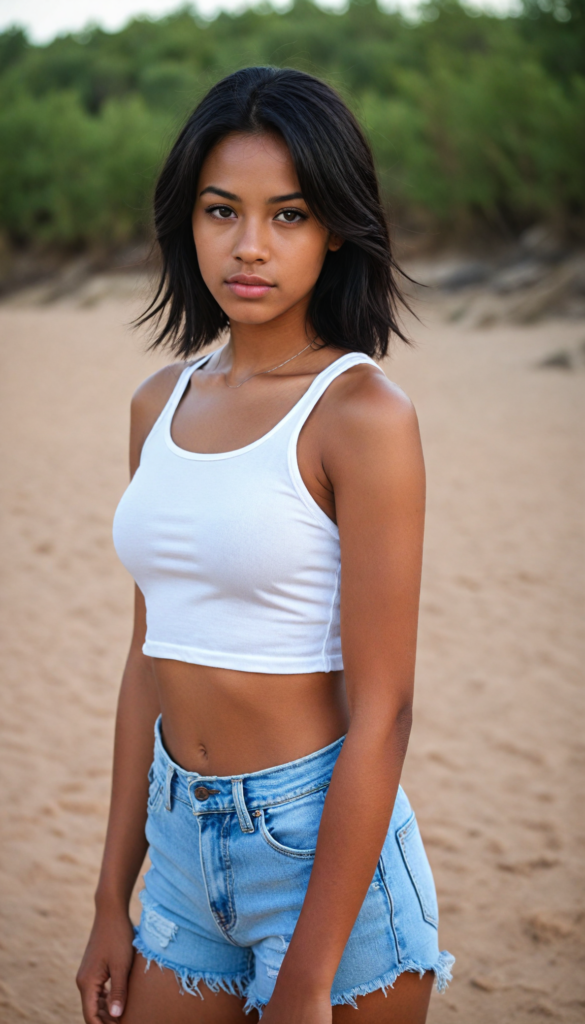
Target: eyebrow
(236,199)
(285,199)
(221,192)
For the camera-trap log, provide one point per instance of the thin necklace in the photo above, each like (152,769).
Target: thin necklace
(259,373)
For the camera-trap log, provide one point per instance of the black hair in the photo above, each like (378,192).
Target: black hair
(356,298)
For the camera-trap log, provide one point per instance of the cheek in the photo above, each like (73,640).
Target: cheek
(301,260)
(210,253)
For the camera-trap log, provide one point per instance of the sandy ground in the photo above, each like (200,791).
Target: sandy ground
(496,759)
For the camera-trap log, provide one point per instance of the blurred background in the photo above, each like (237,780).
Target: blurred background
(476,117)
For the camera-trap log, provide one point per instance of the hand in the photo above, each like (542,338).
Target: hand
(108,957)
(298,1008)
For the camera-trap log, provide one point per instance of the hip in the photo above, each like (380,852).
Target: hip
(231,860)
(251,828)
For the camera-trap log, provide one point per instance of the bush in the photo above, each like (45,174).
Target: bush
(469,116)
(67,177)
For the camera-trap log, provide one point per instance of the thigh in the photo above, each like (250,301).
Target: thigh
(406,1003)
(155,997)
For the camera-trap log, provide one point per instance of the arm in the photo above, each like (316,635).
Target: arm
(373,460)
(138,709)
(109,952)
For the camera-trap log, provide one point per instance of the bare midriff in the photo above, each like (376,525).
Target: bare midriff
(221,722)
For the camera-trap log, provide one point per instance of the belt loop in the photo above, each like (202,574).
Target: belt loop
(168,784)
(244,818)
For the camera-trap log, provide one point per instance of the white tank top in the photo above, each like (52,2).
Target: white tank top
(238,565)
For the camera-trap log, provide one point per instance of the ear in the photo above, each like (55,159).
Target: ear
(335,242)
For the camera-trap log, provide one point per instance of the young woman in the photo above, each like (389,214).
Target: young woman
(274,528)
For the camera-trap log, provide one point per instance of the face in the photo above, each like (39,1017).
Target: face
(260,249)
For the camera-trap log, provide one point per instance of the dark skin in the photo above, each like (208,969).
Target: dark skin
(359,450)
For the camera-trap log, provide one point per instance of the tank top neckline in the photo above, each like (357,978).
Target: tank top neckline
(212,456)
(239,566)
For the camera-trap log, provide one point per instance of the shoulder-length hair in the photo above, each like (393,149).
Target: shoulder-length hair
(355,301)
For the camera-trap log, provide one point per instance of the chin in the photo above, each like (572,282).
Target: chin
(252,314)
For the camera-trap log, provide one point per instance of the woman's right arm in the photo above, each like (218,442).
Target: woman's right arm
(109,952)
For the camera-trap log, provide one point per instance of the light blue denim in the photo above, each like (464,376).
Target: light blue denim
(231,859)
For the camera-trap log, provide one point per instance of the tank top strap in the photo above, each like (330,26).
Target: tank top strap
(168,410)
(321,383)
(303,411)
(181,385)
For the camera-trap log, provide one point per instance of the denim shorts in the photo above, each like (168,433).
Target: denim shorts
(231,859)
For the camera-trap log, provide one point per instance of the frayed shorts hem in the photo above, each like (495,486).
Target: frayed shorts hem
(189,981)
(239,984)
(441,969)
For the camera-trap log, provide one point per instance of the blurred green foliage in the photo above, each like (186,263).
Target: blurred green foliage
(471,116)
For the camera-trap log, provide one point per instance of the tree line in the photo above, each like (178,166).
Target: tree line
(473,118)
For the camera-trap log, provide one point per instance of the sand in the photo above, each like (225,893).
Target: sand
(495,764)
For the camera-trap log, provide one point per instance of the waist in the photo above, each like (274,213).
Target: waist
(224,722)
(226,793)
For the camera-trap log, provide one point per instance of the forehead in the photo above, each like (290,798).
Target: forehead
(259,162)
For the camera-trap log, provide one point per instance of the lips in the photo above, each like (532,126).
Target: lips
(248,286)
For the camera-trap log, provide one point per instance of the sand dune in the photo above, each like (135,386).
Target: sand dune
(495,767)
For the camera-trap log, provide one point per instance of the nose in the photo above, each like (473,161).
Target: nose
(251,244)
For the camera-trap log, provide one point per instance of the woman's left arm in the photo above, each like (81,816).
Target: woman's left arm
(373,460)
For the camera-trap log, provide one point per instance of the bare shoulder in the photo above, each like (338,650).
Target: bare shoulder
(370,440)
(151,396)
(148,401)
(366,406)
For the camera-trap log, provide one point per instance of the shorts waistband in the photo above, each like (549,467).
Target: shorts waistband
(247,792)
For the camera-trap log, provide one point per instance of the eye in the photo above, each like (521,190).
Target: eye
(220,212)
(290,216)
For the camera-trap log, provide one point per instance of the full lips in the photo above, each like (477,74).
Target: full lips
(248,291)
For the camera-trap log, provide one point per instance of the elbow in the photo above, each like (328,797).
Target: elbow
(397,734)
(402,727)
(389,727)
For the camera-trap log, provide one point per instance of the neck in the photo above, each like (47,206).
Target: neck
(257,346)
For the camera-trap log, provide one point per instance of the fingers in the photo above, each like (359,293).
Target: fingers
(116,998)
(102,978)
(104,1014)
(97,1004)
(92,992)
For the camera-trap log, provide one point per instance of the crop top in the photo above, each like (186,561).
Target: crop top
(238,565)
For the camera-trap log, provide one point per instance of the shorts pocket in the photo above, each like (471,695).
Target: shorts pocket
(292,828)
(419,869)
